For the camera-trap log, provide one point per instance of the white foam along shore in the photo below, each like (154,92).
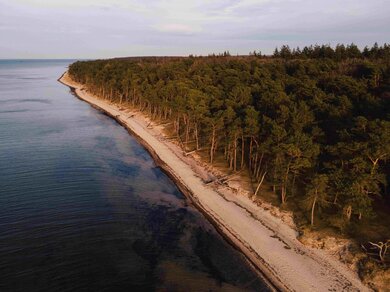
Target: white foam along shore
(270,245)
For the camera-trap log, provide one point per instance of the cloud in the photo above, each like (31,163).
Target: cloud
(107,28)
(178,28)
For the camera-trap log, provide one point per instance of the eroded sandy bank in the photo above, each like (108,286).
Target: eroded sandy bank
(267,242)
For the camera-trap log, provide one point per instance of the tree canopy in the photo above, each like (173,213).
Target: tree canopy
(314,121)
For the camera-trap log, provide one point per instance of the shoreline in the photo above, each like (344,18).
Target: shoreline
(268,244)
(274,284)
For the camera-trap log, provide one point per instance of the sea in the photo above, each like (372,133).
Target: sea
(83,206)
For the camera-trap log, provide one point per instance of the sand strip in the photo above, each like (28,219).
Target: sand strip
(269,244)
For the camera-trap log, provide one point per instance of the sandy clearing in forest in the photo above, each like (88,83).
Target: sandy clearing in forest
(266,241)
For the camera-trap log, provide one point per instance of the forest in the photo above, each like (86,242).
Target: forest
(312,123)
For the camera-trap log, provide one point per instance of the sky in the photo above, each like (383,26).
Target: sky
(117,28)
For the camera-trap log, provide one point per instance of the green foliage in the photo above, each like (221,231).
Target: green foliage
(313,121)
(340,52)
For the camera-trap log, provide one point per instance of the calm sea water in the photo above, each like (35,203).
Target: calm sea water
(84,208)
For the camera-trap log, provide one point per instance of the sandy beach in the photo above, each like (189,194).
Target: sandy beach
(269,244)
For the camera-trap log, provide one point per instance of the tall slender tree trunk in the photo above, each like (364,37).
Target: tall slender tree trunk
(261,159)
(196,136)
(212,145)
(259,185)
(312,209)
(250,154)
(235,153)
(284,187)
(187,129)
(283,194)
(257,171)
(242,151)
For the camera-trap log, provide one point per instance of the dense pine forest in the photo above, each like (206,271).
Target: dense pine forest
(312,124)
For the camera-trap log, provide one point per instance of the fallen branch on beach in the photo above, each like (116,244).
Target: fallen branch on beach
(188,153)
(165,124)
(224,179)
(231,177)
